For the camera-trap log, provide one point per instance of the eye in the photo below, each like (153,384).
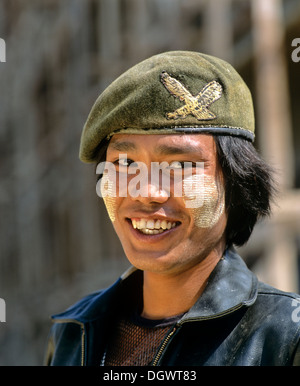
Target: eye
(176,165)
(182,165)
(124,162)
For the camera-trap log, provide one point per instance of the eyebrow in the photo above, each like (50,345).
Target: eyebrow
(182,149)
(125,146)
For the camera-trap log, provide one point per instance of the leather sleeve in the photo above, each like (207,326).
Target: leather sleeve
(296,361)
(64,346)
(50,348)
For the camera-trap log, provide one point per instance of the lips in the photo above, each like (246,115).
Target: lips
(152,226)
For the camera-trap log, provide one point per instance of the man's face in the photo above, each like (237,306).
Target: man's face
(159,230)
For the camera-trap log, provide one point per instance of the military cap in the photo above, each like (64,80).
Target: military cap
(172,92)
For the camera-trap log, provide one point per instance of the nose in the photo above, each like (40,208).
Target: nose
(148,188)
(153,194)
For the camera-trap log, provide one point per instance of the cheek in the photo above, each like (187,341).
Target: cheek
(209,203)
(108,192)
(110,203)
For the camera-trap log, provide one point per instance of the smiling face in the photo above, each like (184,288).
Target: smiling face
(159,232)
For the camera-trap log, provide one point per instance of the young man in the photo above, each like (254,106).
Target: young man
(189,299)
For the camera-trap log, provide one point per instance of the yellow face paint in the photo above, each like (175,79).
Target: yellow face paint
(206,202)
(108,192)
(209,202)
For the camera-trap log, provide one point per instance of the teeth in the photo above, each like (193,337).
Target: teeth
(157,224)
(152,227)
(150,224)
(141,224)
(164,224)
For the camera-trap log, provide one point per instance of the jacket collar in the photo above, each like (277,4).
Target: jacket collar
(231,286)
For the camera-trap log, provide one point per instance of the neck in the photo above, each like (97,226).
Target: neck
(167,295)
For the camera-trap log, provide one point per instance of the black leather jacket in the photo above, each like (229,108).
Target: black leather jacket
(236,321)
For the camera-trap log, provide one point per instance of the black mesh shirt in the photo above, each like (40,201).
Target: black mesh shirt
(136,340)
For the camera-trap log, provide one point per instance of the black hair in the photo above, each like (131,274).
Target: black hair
(249,187)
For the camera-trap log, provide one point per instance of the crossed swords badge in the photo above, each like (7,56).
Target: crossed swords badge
(195,105)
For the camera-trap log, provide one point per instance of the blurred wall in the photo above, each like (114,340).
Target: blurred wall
(56,242)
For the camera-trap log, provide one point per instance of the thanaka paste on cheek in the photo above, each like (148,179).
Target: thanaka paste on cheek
(108,192)
(209,202)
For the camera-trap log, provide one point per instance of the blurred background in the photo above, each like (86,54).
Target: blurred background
(56,241)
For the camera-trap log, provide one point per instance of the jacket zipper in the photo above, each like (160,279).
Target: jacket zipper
(82,345)
(82,335)
(162,347)
(169,336)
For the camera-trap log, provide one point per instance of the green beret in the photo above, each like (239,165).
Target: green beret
(173,92)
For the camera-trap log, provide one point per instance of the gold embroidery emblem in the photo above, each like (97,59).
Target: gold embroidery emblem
(196,105)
